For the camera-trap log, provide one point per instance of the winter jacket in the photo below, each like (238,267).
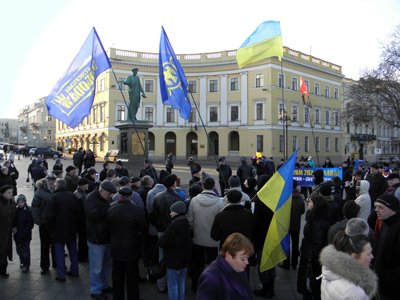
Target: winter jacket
(297,209)
(151,195)
(159,216)
(96,208)
(177,243)
(220,281)
(378,185)
(64,216)
(343,278)
(7,213)
(125,221)
(364,200)
(41,199)
(233,218)
(244,171)
(201,214)
(23,221)
(387,257)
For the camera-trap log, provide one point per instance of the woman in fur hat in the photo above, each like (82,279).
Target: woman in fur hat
(345,269)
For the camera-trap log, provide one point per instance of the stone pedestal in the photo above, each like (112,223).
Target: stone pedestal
(133,144)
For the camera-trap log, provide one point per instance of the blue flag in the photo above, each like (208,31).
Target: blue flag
(173,84)
(72,97)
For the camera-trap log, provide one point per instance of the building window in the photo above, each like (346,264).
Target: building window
(101,115)
(100,85)
(317,144)
(347,127)
(192,86)
(94,115)
(317,121)
(49,134)
(170,115)
(121,113)
(294,113)
(327,144)
(49,118)
(213,85)
(306,144)
(336,118)
(233,141)
(260,143)
(234,84)
(327,92)
(234,113)
(336,144)
(259,80)
(316,89)
(307,84)
(259,111)
(192,117)
(327,117)
(148,114)
(295,143)
(336,93)
(213,114)
(294,83)
(281,143)
(281,80)
(306,115)
(149,86)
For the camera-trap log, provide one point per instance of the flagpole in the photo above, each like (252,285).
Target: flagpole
(146,155)
(315,145)
(284,116)
(208,138)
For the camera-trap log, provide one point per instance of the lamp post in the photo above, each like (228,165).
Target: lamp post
(285,119)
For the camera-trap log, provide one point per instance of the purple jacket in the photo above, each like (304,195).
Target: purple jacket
(220,281)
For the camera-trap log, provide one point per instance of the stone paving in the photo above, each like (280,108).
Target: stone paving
(33,285)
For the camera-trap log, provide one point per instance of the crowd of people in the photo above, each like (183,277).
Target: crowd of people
(118,220)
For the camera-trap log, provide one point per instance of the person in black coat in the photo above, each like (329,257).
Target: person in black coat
(81,193)
(96,206)
(125,221)
(315,238)
(177,245)
(23,223)
(64,216)
(233,218)
(244,171)
(5,178)
(120,170)
(296,211)
(225,172)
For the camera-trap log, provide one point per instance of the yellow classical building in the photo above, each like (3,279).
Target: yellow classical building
(241,109)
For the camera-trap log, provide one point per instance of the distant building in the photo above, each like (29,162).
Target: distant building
(36,127)
(241,109)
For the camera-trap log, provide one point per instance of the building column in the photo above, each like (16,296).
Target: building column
(159,108)
(244,98)
(203,98)
(224,100)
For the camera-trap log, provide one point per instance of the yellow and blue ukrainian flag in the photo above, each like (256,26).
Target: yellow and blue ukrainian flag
(276,194)
(173,84)
(72,97)
(264,42)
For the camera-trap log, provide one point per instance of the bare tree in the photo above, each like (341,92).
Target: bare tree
(376,96)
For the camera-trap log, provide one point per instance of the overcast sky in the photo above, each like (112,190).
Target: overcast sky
(39,39)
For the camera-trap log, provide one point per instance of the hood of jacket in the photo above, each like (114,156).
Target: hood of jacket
(207,198)
(339,265)
(364,187)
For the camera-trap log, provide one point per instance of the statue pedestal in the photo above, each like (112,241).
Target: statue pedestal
(133,144)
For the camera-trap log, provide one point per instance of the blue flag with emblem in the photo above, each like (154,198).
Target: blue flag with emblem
(173,84)
(72,97)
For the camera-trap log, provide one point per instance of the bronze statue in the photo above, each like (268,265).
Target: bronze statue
(135,92)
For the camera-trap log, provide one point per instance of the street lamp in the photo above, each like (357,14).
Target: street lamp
(285,119)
